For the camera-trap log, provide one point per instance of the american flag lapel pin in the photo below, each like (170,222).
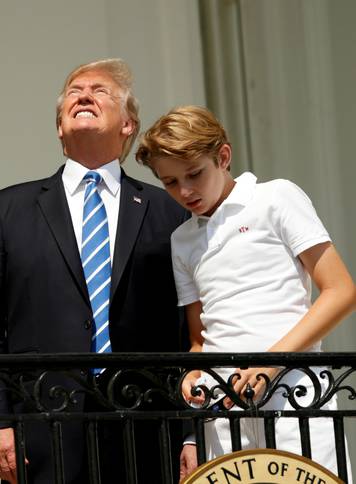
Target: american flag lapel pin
(137,199)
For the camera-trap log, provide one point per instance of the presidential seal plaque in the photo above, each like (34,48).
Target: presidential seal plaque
(262,466)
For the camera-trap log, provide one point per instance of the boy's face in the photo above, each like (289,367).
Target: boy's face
(200,185)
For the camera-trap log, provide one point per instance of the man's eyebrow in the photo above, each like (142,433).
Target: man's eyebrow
(72,86)
(92,86)
(100,84)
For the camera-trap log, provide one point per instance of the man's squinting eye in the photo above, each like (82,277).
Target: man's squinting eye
(102,91)
(98,91)
(73,92)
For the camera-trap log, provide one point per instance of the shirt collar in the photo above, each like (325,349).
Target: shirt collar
(241,194)
(243,190)
(74,173)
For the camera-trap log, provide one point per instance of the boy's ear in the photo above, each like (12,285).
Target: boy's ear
(225,156)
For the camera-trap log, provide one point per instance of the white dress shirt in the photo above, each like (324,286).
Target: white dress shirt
(109,190)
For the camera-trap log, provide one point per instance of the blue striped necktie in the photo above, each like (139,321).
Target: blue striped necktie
(95,254)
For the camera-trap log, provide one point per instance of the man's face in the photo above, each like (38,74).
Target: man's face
(92,105)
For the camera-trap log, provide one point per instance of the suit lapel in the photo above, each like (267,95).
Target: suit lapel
(54,206)
(133,207)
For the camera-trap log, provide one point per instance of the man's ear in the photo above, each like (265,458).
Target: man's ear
(60,136)
(225,156)
(60,131)
(128,127)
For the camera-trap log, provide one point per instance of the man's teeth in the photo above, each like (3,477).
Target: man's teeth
(85,114)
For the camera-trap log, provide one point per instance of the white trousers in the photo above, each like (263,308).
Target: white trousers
(218,437)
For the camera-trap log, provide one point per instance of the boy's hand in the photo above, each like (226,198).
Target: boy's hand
(250,376)
(188,383)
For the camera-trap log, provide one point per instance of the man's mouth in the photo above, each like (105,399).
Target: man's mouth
(84,114)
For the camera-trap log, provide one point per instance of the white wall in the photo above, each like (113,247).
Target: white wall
(302,110)
(42,40)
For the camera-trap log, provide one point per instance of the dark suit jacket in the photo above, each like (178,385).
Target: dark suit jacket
(44,301)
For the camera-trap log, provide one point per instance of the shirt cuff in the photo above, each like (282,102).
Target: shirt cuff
(190,440)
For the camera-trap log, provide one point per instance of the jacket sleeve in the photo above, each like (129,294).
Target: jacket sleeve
(4,404)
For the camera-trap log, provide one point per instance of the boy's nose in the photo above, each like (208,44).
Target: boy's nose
(185,191)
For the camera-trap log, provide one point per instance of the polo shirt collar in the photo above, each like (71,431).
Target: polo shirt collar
(243,190)
(241,194)
(74,173)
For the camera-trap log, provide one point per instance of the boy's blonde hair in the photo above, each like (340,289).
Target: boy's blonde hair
(185,132)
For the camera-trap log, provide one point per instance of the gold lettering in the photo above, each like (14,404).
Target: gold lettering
(209,478)
(250,470)
(228,473)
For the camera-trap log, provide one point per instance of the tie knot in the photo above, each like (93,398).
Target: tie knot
(93,177)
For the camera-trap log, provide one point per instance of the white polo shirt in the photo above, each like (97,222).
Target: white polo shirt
(242,264)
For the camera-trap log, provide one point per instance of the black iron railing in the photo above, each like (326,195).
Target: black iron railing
(138,389)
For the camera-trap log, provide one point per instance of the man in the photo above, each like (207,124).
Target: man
(47,298)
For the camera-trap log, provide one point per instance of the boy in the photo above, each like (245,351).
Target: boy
(243,264)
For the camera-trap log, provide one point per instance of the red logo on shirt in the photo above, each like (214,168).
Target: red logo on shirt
(243,229)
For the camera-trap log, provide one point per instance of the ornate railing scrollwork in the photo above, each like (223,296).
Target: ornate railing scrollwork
(45,383)
(320,387)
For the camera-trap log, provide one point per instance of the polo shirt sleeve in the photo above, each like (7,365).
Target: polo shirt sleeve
(296,220)
(186,289)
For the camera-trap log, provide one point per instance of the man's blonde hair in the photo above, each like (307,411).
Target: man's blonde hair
(185,132)
(121,74)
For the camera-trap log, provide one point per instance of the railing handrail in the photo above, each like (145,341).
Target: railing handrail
(184,359)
